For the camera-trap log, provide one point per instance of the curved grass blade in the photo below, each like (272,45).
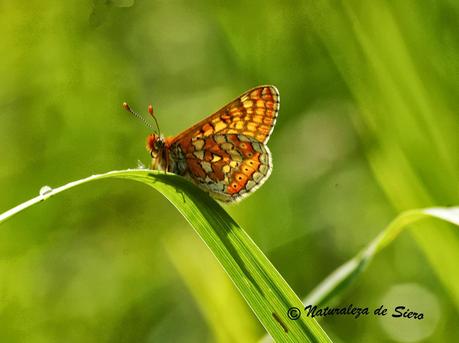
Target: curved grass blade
(261,285)
(343,276)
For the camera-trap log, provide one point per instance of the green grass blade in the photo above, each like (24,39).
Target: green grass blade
(255,277)
(212,290)
(348,272)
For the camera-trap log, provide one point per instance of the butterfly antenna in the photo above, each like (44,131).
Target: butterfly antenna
(150,110)
(127,108)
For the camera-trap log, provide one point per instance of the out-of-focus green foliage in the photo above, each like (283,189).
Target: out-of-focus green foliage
(367,128)
(343,276)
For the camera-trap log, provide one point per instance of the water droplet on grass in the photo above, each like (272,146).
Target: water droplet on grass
(140,165)
(45,190)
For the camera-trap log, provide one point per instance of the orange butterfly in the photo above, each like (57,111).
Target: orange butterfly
(225,154)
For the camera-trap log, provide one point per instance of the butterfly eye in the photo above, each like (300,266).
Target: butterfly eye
(158,145)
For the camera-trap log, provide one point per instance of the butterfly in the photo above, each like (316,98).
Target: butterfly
(224,154)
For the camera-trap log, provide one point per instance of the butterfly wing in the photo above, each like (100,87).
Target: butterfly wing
(228,166)
(252,114)
(226,153)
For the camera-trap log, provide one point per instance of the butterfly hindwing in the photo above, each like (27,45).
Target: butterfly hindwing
(228,166)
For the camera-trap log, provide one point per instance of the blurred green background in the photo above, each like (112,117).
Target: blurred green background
(368,127)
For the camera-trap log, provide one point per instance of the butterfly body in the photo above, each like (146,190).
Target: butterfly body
(225,154)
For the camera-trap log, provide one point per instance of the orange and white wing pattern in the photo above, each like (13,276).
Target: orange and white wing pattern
(226,154)
(227,166)
(252,114)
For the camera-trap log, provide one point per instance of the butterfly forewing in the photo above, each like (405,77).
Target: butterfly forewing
(252,114)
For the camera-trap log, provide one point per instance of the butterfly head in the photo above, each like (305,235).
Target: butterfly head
(156,145)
